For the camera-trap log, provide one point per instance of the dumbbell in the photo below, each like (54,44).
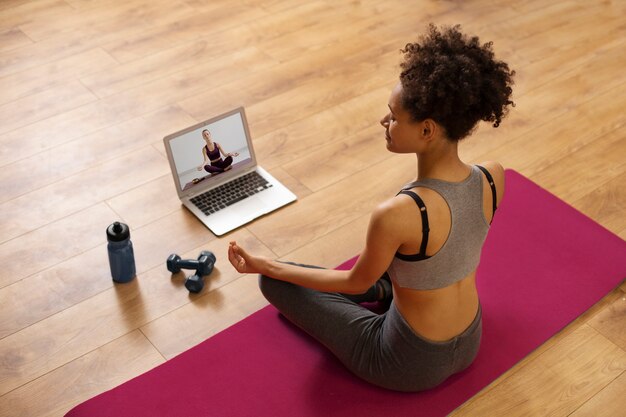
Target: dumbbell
(203,266)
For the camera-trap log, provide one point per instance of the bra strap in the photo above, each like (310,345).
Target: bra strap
(493,187)
(425,228)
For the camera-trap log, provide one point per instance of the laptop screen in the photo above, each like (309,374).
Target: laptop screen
(209,151)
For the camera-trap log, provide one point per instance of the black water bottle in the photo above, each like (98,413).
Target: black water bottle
(121,256)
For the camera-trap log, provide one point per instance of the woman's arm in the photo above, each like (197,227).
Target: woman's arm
(225,153)
(381,245)
(205,159)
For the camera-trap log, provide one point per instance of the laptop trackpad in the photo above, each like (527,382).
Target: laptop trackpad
(251,207)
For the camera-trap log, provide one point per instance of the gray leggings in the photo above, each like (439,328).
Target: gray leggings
(379,348)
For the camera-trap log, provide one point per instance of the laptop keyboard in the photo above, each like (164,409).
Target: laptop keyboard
(230,193)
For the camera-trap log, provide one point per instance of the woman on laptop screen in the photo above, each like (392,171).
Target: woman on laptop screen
(423,245)
(212,154)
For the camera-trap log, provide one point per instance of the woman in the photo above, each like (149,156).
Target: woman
(211,152)
(425,241)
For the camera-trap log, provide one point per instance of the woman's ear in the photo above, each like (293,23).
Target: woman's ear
(429,129)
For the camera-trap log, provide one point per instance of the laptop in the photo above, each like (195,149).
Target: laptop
(216,173)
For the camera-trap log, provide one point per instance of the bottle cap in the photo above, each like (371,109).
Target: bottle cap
(117,232)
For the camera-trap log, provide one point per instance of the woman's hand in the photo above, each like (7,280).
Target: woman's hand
(233,154)
(200,168)
(243,262)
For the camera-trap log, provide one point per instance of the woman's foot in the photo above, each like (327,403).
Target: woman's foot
(381,291)
(384,288)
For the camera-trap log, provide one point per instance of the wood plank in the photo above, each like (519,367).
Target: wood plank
(262,85)
(323,28)
(90,4)
(91,150)
(155,39)
(565,30)
(21,13)
(541,145)
(526,6)
(545,104)
(607,403)
(544,20)
(335,247)
(606,155)
(118,108)
(43,77)
(8,4)
(296,140)
(49,245)
(77,192)
(575,87)
(205,53)
(132,207)
(41,53)
(57,392)
(228,305)
(611,322)
(107,17)
(330,163)
(570,373)
(76,331)
(12,38)
(286,23)
(86,4)
(55,288)
(271,6)
(266,28)
(62,46)
(606,203)
(557,58)
(43,105)
(147,16)
(190,82)
(292,183)
(338,86)
(46,134)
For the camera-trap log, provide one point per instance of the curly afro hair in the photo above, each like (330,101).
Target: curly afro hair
(455,81)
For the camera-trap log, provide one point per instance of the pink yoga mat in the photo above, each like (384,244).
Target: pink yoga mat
(543,265)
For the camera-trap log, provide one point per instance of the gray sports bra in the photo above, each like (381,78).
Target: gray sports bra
(460,253)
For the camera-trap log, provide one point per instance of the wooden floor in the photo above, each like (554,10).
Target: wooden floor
(88,88)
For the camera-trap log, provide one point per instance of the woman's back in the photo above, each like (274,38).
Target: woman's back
(442,313)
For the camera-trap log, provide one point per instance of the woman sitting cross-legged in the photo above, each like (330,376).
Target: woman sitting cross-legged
(423,245)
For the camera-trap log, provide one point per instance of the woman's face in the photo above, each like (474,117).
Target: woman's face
(207,136)
(401,132)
